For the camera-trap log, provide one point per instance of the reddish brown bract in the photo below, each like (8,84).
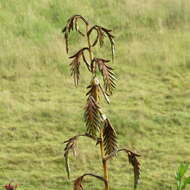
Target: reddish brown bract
(10,187)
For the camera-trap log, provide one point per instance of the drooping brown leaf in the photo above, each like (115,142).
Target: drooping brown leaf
(70,146)
(92,116)
(109,138)
(101,36)
(78,181)
(72,23)
(101,33)
(132,157)
(136,167)
(107,73)
(135,163)
(75,72)
(75,64)
(111,39)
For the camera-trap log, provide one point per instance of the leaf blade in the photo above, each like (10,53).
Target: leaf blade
(109,138)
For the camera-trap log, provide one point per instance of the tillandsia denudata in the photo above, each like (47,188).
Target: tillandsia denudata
(98,126)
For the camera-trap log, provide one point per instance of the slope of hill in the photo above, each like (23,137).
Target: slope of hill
(40,107)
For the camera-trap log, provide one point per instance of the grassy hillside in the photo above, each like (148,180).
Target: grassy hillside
(40,107)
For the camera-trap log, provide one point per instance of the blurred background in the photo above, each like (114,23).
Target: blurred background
(40,107)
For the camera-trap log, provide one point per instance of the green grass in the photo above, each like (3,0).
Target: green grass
(40,107)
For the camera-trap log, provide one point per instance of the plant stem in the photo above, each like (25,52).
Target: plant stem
(104,162)
(89,45)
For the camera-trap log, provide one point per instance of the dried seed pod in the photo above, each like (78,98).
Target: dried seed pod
(109,138)
(92,116)
(75,64)
(107,73)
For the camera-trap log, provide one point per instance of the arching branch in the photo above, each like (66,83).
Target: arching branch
(101,33)
(78,181)
(70,146)
(72,23)
(132,157)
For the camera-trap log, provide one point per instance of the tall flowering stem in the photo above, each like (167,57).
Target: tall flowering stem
(98,126)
